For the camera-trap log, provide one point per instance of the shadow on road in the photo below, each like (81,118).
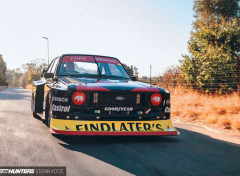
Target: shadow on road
(190,153)
(14,94)
(102,140)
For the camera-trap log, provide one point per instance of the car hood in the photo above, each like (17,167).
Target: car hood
(95,84)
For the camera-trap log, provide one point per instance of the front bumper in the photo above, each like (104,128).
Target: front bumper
(113,128)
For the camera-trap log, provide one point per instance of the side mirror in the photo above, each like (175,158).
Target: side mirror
(48,75)
(44,70)
(134,78)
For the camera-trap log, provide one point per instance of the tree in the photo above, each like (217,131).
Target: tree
(33,69)
(213,61)
(14,76)
(131,70)
(29,72)
(170,77)
(3,71)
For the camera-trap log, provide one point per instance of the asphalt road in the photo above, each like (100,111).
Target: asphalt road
(26,141)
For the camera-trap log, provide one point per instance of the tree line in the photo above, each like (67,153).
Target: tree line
(213,62)
(3,70)
(27,73)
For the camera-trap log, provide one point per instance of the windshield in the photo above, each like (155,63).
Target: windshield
(112,70)
(78,68)
(90,66)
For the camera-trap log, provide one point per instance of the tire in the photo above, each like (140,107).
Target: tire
(34,114)
(37,100)
(48,111)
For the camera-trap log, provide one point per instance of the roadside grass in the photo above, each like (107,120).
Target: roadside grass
(220,110)
(29,87)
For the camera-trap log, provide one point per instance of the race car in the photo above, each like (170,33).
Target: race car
(82,94)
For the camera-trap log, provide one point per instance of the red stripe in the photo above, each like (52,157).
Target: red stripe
(149,89)
(100,133)
(93,88)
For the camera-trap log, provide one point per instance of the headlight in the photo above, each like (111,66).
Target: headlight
(79,98)
(156,99)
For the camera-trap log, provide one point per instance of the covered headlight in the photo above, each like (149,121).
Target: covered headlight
(79,98)
(156,99)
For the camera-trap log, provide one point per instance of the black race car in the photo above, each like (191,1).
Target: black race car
(94,95)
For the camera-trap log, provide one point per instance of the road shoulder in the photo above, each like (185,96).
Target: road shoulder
(209,131)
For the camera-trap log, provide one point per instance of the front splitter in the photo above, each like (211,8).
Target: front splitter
(113,128)
(103,133)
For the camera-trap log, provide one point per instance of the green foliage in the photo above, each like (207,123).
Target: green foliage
(214,47)
(33,69)
(3,71)
(30,72)
(13,77)
(131,70)
(170,77)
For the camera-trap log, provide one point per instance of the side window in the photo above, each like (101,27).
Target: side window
(54,66)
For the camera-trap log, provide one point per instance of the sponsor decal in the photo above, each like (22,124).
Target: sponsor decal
(147,111)
(118,109)
(119,98)
(156,99)
(111,126)
(59,99)
(107,60)
(168,102)
(78,59)
(78,98)
(61,108)
(167,110)
(122,126)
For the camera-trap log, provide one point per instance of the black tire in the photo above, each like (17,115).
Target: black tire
(48,110)
(33,106)
(49,113)
(37,100)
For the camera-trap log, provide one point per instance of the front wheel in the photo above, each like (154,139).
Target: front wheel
(33,106)
(48,110)
(49,113)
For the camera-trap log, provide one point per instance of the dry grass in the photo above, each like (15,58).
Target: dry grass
(29,87)
(220,110)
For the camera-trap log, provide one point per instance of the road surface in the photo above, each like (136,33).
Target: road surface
(26,141)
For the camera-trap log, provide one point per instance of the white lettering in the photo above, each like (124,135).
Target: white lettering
(117,109)
(167,110)
(78,58)
(60,99)
(61,108)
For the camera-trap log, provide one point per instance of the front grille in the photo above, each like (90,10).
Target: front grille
(89,114)
(117,99)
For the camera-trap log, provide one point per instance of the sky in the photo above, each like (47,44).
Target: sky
(137,32)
